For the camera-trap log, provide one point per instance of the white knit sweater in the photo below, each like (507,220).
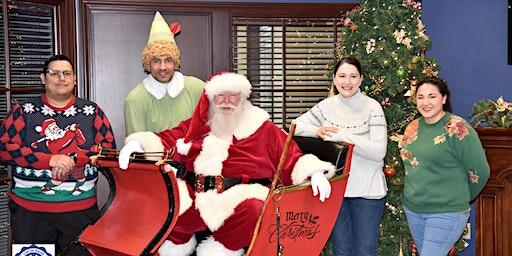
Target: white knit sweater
(360,121)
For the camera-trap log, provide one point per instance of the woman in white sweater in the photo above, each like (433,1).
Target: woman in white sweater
(353,117)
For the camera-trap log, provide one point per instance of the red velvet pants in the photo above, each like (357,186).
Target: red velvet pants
(234,234)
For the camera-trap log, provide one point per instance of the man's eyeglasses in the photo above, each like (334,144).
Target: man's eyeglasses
(58,73)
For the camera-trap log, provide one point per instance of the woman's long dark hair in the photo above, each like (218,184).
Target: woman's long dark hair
(349,60)
(441,86)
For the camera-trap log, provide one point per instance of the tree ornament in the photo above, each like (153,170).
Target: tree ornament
(399,35)
(353,27)
(411,66)
(400,72)
(389,171)
(412,245)
(370,46)
(347,22)
(386,103)
(429,71)
(407,42)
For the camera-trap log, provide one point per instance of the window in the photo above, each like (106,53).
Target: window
(27,39)
(24,46)
(286,60)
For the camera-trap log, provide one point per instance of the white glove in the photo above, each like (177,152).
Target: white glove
(320,185)
(127,150)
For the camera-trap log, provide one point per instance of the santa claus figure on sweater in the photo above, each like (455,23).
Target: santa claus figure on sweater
(58,140)
(231,151)
(62,141)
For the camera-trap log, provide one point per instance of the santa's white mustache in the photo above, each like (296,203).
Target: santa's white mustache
(225,105)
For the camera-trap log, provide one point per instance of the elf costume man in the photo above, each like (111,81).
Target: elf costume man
(165,97)
(231,151)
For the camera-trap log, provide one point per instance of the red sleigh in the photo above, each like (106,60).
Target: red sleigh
(305,222)
(139,214)
(145,207)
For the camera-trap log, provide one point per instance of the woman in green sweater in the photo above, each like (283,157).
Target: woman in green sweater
(445,169)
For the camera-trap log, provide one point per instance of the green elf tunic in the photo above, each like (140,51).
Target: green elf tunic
(154,106)
(445,165)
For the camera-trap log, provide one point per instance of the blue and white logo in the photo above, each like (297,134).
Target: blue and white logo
(33,250)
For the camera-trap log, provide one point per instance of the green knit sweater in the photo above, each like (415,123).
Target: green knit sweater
(445,165)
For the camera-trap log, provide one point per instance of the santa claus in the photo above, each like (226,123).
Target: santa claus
(231,151)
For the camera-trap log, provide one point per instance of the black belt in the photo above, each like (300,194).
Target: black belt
(202,183)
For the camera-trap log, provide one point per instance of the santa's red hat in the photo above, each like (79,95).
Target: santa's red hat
(219,82)
(226,81)
(44,125)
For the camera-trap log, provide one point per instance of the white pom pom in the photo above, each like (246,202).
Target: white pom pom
(182,147)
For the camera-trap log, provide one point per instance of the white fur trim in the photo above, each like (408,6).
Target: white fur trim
(228,82)
(209,161)
(150,142)
(182,147)
(168,248)
(211,247)
(185,200)
(215,208)
(252,119)
(307,165)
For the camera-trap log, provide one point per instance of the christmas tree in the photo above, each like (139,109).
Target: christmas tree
(388,37)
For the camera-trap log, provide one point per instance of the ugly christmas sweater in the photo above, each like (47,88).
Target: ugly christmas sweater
(445,165)
(32,132)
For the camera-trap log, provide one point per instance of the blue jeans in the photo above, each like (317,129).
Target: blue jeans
(356,229)
(436,233)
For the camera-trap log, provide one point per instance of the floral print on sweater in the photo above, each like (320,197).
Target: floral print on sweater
(455,126)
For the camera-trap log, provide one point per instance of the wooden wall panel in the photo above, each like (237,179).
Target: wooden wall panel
(494,204)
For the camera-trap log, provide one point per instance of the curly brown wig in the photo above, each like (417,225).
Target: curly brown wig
(159,48)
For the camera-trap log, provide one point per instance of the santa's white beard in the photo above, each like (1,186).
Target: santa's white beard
(223,124)
(55,135)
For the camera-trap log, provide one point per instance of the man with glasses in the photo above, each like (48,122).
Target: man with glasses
(48,140)
(165,97)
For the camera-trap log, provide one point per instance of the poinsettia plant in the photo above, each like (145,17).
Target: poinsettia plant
(488,113)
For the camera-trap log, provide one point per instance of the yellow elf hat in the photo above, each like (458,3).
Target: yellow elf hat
(160,30)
